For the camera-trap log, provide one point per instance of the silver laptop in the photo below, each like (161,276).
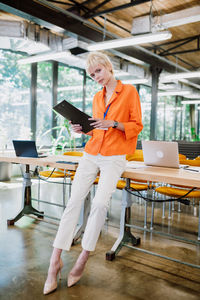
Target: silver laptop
(161,154)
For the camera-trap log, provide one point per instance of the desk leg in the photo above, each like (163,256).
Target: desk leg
(125,235)
(85,211)
(27,207)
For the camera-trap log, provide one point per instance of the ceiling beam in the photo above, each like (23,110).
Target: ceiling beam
(119,7)
(92,11)
(54,17)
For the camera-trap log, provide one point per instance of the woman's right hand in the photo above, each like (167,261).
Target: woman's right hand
(77,128)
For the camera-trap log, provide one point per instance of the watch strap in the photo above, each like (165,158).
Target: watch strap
(115,124)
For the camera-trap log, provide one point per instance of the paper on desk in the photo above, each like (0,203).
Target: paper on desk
(134,165)
(192,168)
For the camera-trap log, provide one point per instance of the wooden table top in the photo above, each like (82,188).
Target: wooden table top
(137,170)
(163,174)
(49,161)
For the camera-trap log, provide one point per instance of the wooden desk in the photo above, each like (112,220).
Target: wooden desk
(155,174)
(50,161)
(166,175)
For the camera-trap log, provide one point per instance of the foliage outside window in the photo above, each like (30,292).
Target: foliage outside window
(44,103)
(70,88)
(169,118)
(145,98)
(15,99)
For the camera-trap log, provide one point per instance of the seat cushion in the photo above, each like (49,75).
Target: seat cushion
(174,192)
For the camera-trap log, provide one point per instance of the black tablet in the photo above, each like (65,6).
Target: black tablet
(76,116)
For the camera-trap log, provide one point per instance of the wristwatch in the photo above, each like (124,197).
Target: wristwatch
(115,124)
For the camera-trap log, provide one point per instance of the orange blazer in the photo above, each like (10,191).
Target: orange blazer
(125,108)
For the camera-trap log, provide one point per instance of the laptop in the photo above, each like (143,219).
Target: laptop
(161,154)
(24,148)
(76,116)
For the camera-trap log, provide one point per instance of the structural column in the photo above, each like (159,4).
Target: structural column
(154,101)
(54,94)
(33,111)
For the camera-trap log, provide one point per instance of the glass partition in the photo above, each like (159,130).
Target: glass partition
(70,88)
(14,99)
(145,98)
(44,104)
(169,118)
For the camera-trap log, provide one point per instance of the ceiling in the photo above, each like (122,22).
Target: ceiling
(94,21)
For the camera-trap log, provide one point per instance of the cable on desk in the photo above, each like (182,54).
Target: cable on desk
(179,199)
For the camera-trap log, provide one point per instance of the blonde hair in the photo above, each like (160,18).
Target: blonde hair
(95,58)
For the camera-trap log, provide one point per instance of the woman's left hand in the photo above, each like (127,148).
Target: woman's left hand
(101,123)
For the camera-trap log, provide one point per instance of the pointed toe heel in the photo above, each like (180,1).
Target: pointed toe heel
(72,280)
(51,287)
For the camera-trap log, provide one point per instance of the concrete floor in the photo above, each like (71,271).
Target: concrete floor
(26,247)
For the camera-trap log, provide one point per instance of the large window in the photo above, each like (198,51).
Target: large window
(44,104)
(14,99)
(145,98)
(92,88)
(70,87)
(174,120)
(169,118)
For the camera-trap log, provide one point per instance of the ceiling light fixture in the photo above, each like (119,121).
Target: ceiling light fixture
(130,41)
(182,75)
(190,102)
(135,81)
(174,93)
(193,96)
(44,57)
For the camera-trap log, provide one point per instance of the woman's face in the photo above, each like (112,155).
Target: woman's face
(100,74)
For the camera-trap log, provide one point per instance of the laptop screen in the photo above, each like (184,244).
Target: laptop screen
(25,148)
(161,153)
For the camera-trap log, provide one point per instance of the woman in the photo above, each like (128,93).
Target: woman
(117,123)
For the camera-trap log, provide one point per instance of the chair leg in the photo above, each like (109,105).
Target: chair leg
(163,210)
(64,191)
(145,215)
(38,196)
(179,206)
(152,215)
(169,213)
(173,206)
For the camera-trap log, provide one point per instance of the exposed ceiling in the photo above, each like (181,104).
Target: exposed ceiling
(99,20)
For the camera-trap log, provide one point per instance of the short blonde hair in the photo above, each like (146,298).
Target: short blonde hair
(95,58)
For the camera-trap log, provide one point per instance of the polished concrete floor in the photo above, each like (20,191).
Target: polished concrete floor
(26,247)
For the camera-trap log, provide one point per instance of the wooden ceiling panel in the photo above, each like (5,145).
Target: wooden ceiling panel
(119,22)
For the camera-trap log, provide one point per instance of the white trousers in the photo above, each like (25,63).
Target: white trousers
(111,168)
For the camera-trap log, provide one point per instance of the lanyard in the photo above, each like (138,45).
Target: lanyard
(105,113)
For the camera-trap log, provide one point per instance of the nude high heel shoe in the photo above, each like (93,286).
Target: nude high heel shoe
(51,287)
(72,280)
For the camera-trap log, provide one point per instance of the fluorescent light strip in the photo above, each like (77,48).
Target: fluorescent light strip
(174,93)
(181,17)
(44,57)
(191,102)
(180,76)
(193,96)
(135,81)
(135,40)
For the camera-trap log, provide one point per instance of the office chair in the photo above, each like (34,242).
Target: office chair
(178,192)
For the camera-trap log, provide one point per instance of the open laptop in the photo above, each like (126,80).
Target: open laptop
(25,148)
(161,154)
